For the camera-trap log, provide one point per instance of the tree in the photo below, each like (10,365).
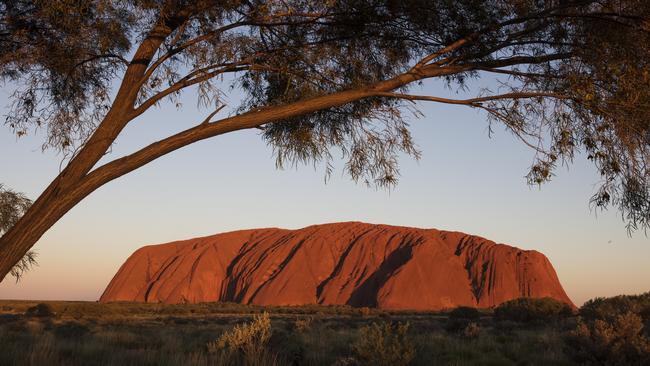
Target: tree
(325,75)
(13,205)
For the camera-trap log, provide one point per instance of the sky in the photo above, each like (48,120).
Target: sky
(465,181)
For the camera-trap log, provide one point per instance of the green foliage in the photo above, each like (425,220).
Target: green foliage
(611,331)
(472,330)
(465,312)
(64,54)
(71,329)
(13,206)
(609,308)
(40,310)
(303,324)
(27,262)
(461,317)
(384,344)
(617,341)
(532,310)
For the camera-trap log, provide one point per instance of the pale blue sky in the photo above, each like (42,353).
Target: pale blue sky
(465,181)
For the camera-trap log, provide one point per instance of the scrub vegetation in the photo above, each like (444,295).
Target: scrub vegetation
(612,331)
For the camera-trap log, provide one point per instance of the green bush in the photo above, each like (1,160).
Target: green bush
(471,331)
(384,345)
(610,308)
(70,330)
(303,325)
(610,341)
(465,312)
(611,331)
(531,310)
(460,318)
(40,310)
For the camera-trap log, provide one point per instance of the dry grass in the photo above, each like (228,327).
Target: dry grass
(81,333)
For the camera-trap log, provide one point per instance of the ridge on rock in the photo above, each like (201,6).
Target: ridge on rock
(351,263)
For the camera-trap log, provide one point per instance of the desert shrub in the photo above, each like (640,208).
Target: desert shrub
(71,330)
(386,316)
(40,310)
(365,311)
(303,324)
(8,318)
(323,344)
(80,310)
(530,310)
(346,361)
(246,343)
(610,308)
(472,330)
(617,341)
(384,344)
(460,318)
(465,312)
(645,313)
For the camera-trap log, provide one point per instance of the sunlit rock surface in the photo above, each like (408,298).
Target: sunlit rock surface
(352,263)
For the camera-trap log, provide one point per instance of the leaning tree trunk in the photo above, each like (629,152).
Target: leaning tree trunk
(16,242)
(72,184)
(59,197)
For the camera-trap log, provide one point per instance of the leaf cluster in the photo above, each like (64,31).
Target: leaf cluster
(13,206)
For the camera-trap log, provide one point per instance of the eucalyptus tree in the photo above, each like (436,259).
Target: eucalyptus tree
(321,76)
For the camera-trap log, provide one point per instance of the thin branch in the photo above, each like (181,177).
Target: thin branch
(106,55)
(519,60)
(207,36)
(184,83)
(474,102)
(176,50)
(462,41)
(517,133)
(179,33)
(451,47)
(516,73)
(209,117)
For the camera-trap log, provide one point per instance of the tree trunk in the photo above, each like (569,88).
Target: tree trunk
(60,196)
(23,235)
(67,189)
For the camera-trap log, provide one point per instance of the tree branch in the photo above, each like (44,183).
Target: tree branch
(473,102)
(209,117)
(184,83)
(519,60)
(176,50)
(250,119)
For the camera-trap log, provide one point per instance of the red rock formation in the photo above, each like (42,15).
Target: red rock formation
(345,263)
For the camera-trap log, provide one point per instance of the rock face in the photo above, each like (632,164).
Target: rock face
(344,263)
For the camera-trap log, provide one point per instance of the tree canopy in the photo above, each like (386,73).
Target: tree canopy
(325,75)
